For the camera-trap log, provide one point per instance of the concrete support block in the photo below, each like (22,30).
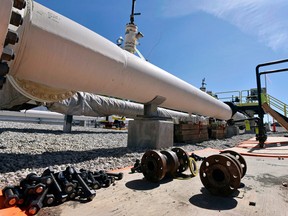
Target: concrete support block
(147,133)
(232,131)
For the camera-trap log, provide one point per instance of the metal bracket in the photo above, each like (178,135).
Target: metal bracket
(150,109)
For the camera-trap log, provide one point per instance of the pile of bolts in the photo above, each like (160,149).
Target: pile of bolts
(35,192)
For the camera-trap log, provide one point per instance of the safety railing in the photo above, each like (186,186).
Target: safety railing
(240,98)
(276,104)
(228,96)
(250,97)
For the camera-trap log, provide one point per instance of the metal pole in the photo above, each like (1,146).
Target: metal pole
(262,136)
(132,13)
(262,133)
(67,127)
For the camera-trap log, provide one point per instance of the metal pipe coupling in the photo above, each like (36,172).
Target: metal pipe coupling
(156,165)
(221,173)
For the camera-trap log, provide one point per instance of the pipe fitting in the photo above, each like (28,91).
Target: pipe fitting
(221,173)
(156,165)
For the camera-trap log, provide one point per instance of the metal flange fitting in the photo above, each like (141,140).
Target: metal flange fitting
(221,173)
(156,165)
(183,158)
(8,37)
(15,16)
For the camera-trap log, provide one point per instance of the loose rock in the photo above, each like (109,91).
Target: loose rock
(27,147)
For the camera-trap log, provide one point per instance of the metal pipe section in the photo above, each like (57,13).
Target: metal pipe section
(87,104)
(56,52)
(6,115)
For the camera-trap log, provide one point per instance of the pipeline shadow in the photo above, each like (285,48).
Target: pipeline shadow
(206,200)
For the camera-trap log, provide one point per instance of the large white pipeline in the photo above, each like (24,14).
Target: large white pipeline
(57,53)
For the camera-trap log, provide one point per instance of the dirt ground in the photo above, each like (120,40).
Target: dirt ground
(262,193)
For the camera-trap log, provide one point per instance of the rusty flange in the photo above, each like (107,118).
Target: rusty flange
(153,165)
(171,161)
(239,158)
(238,164)
(220,174)
(183,159)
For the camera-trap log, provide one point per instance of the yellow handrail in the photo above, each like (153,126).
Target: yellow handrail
(245,97)
(276,103)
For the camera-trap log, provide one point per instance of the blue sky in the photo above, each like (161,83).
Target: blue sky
(219,40)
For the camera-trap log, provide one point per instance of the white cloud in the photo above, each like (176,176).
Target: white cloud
(266,19)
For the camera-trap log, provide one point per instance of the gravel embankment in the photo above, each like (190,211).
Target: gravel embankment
(26,148)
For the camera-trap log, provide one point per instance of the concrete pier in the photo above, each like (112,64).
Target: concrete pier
(154,134)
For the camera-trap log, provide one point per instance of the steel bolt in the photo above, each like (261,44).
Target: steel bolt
(11,198)
(16,19)
(37,203)
(94,184)
(19,193)
(32,210)
(19,4)
(7,54)
(49,199)
(87,193)
(118,176)
(11,37)
(43,179)
(39,188)
(4,69)
(68,186)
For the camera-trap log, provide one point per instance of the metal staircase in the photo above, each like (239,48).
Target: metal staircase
(281,119)
(277,105)
(258,101)
(276,108)
(247,101)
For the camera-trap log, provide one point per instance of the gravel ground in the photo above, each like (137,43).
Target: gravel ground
(26,148)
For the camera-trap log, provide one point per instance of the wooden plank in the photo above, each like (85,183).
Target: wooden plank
(218,134)
(187,126)
(190,131)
